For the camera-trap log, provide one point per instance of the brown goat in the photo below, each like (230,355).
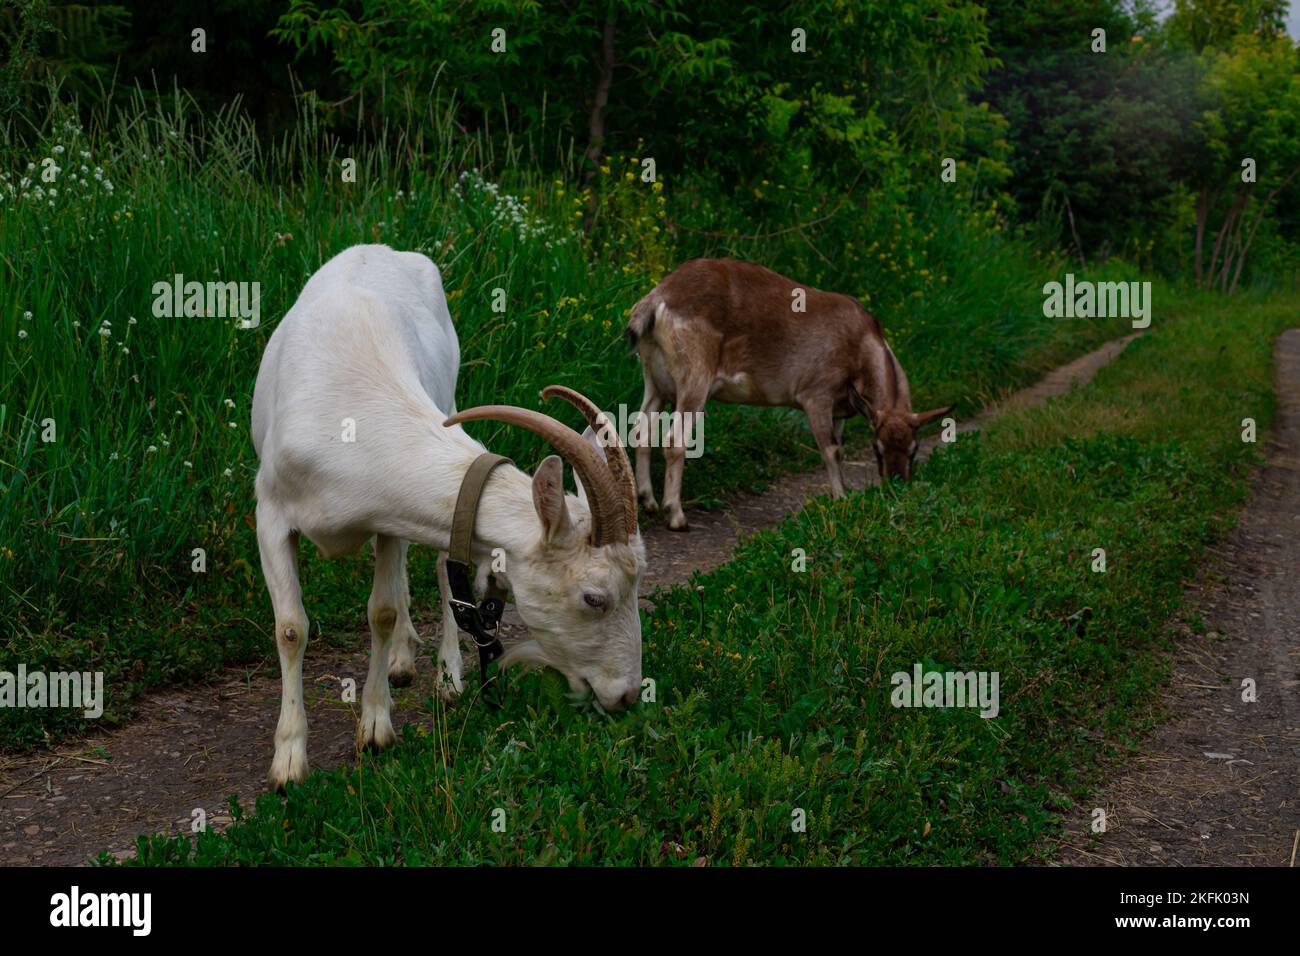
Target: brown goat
(736,332)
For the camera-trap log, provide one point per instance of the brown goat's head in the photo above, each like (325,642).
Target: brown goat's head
(895,443)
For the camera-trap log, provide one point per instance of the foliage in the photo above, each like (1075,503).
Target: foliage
(1102,154)
(1218,23)
(1254,91)
(689,79)
(1128,151)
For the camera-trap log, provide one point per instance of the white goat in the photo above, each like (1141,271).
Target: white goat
(349,421)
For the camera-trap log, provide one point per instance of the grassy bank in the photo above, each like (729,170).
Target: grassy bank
(773,685)
(124,439)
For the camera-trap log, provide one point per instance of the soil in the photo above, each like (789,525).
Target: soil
(1218,783)
(190,748)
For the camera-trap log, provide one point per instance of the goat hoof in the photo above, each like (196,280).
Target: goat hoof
(401,678)
(285,769)
(376,744)
(375,732)
(649,504)
(678,524)
(449,688)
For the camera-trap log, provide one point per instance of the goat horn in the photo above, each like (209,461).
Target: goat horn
(615,456)
(607,523)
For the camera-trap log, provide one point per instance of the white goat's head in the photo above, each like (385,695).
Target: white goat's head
(576,587)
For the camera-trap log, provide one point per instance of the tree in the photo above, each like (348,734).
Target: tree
(736,89)
(1254,119)
(1199,24)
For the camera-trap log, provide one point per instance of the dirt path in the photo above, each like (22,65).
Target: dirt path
(1219,784)
(191,747)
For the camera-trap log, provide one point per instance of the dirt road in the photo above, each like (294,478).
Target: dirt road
(1219,784)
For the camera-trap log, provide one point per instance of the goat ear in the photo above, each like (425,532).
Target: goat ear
(589,436)
(917,419)
(863,407)
(548,499)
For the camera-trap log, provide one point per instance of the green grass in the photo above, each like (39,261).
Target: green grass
(152,457)
(773,686)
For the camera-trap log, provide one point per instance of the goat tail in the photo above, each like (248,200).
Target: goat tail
(641,322)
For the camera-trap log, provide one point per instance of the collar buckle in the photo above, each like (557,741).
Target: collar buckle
(477,619)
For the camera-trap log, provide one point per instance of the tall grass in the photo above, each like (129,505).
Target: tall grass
(150,457)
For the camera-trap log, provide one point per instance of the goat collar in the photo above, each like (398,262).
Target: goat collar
(480,619)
